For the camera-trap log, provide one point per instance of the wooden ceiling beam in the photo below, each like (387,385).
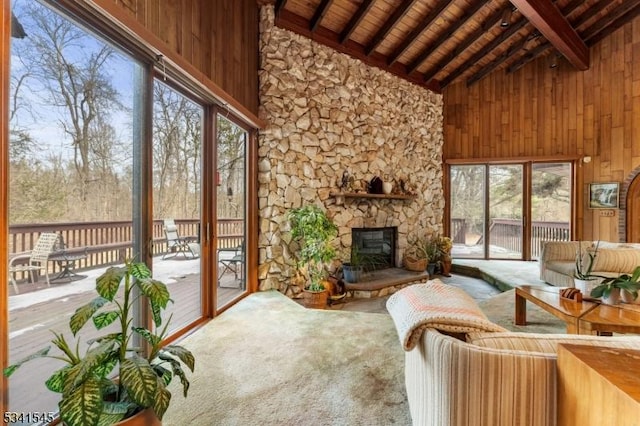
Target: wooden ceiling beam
(628,7)
(417,31)
(504,36)
(624,19)
(355,20)
(516,47)
(393,20)
(426,52)
(464,45)
(552,24)
(601,24)
(298,24)
(319,14)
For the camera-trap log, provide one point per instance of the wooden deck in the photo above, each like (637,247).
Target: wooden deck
(30,327)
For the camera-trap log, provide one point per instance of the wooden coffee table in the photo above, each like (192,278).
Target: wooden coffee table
(623,318)
(586,317)
(548,298)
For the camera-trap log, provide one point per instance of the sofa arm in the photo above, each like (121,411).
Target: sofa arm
(450,382)
(559,251)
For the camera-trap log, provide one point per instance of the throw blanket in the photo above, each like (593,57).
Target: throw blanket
(435,305)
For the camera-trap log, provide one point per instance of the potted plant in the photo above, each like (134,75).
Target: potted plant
(444,246)
(610,287)
(582,277)
(314,232)
(354,268)
(115,380)
(434,255)
(415,256)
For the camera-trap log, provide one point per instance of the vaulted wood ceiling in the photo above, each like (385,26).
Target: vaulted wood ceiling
(434,43)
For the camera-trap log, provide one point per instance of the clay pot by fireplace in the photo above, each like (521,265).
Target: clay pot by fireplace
(315,299)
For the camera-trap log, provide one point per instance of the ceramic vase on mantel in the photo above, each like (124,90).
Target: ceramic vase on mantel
(387,187)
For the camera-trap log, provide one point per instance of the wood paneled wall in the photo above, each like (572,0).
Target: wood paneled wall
(543,112)
(220,38)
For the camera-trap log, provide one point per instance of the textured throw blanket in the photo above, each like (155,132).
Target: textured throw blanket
(435,305)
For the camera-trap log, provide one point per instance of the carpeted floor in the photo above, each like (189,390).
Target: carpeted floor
(269,361)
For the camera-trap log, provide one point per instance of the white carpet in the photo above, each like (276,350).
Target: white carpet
(269,361)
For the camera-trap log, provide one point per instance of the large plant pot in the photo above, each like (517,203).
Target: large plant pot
(143,418)
(352,274)
(315,299)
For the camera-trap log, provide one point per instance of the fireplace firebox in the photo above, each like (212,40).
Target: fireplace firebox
(376,247)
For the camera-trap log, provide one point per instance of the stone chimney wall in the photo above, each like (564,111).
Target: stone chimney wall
(328,113)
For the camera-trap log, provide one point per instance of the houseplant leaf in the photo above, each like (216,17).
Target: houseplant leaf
(137,376)
(162,399)
(108,283)
(83,405)
(105,318)
(84,313)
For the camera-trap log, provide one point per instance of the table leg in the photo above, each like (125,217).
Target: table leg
(521,310)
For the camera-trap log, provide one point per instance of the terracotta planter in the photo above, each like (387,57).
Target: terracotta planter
(143,418)
(446,268)
(315,299)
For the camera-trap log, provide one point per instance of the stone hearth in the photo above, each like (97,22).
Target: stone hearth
(383,282)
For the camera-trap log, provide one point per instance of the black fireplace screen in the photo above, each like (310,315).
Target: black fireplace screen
(376,247)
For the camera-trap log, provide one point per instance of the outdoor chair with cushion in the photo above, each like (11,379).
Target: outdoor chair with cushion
(187,246)
(38,259)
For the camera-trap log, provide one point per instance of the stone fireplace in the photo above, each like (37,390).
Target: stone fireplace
(325,114)
(376,247)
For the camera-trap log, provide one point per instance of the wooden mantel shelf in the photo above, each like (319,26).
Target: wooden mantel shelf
(378,196)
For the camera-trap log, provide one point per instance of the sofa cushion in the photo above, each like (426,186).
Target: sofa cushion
(547,343)
(619,260)
(435,305)
(563,267)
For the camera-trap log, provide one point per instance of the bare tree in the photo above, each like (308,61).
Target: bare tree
(67,69)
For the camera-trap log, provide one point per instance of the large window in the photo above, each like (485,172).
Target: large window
(72,145)
(107,163)
(504,211)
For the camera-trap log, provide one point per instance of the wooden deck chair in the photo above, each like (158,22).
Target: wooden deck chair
(38,258)
(187,246)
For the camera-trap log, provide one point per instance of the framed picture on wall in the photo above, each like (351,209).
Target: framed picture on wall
(603,195)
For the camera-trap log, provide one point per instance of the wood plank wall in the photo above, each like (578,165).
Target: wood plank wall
(543,112)
(219,38)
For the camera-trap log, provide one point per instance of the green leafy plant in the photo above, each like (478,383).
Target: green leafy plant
(114,380)
(581,272)
(314,232)
(628,282)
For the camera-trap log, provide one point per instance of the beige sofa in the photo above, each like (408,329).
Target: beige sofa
(477,378)
(558,260)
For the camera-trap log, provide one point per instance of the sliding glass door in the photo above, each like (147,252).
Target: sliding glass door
(489,205)
(74,150)
(231,209)
(177,183)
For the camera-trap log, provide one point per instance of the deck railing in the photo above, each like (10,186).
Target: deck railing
(108,243)
(507,233)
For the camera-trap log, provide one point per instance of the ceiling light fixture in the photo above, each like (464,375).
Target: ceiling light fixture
(506,18)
